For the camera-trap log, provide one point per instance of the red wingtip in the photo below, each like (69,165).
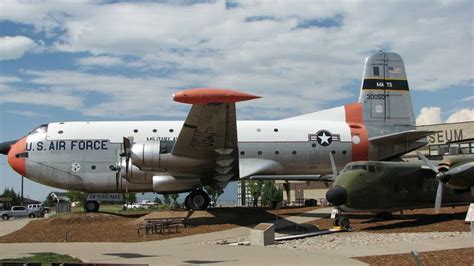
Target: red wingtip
(208,95)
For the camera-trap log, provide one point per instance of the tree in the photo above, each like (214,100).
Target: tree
(167,199)
(255,188)
(10,193)
(49,202)
(271,193)
(174,197)
(75,196)
(157,201)
(130,197)
(214,194)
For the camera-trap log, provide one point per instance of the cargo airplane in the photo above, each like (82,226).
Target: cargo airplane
(212,148)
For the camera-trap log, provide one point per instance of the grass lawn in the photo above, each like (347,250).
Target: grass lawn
(44,258)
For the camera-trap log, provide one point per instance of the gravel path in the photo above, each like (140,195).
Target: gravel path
(357,239)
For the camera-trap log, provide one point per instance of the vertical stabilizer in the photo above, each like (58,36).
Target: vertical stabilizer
(384,94)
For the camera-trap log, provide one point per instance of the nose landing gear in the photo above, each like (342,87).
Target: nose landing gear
(197,200)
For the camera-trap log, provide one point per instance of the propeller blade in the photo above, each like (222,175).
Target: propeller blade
(127,145)
(439,196)
(428,162)
(333,164)
(459,169)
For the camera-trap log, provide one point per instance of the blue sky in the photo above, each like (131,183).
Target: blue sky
(119,60)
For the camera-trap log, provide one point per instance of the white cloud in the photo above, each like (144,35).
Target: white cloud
(27,113)
(100,61)
(432,115)
(462,115)
(428,116)
(15,47)
(300,69)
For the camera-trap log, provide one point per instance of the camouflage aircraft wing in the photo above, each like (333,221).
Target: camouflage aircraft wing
(210,130)
(318,178)
(402,137)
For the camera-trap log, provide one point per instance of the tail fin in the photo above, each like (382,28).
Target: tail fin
(384,92)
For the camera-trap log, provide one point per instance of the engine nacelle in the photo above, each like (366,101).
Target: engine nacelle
(146,156)
(155,156)
(171,184)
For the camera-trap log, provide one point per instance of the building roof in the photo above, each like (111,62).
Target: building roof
(60,196)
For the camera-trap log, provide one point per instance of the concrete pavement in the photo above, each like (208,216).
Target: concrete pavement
(10,226)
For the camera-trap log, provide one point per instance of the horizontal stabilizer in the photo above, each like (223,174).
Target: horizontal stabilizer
(319,178)
(401,137)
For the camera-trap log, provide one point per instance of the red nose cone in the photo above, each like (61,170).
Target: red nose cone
(18,163)
(206,95)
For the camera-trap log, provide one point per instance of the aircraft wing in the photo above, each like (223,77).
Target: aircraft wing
(318,178)
(402,137)
(210,130)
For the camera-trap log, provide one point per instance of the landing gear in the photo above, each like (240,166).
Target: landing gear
(340,221)
(91,206)
(197,200)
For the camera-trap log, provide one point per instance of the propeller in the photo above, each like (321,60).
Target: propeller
(333,164)
(126,154)
(443,177)
(440,176)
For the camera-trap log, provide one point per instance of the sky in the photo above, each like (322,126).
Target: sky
(120,60)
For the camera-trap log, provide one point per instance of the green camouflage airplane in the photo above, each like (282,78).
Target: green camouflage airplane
(385,187)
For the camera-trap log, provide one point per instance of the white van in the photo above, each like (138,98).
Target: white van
(35,207)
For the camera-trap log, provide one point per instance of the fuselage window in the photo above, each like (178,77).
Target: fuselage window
(242,153)
(344,152)
(154,130)
(275,129)
(259,130)
(135,130)
(93,167)
(313,145)
(277,152)
(259,152)
(171,130)
(293,152)
(60,132)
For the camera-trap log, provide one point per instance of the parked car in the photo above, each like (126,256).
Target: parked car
(20,212)
(35,207)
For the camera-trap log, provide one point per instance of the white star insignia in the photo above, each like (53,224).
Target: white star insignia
(324,138)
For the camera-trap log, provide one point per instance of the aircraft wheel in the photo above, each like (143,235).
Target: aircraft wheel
(5,217)
(187,202)
(385,216)
(198,200)
(344,222)
(91,206)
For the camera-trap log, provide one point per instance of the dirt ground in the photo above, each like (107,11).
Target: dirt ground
(107,227)
(413,221)
(462,256)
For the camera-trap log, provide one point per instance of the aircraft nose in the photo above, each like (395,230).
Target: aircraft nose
(336,196)
(5,146)
(16,156)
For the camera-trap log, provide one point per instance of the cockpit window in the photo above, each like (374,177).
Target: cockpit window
(40,129)
(371,169)
(359,166)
